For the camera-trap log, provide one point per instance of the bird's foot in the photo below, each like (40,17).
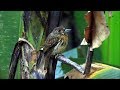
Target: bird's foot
(58,55)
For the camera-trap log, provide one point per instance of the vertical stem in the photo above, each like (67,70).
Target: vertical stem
(90,51)
(52,67)
(88,61)
(26,21)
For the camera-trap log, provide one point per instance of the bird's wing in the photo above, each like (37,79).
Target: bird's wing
(49,45)
(50,42)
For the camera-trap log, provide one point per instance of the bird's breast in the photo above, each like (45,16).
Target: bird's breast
(62,43)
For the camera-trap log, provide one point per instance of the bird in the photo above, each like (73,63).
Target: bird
(55,43)
(57,40)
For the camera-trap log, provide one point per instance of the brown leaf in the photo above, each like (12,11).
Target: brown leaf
(97,30)
(88,17)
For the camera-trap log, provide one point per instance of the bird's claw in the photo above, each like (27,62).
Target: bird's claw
(58,55)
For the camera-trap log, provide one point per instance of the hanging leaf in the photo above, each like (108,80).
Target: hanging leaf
(97,30)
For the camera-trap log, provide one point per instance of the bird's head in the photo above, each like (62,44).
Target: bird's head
(61,30)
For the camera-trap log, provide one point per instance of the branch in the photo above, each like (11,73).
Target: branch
(71,63)
(88,60)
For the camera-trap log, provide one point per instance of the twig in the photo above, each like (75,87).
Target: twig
(88,60)
(71,63)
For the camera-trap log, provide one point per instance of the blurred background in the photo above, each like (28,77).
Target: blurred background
(11,26)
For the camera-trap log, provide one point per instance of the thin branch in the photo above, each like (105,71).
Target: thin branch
(71,63)
(88,60)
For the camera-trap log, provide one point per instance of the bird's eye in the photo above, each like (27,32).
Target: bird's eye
(59,30)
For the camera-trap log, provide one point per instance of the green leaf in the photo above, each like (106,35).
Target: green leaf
(110,48)
(108,72)
(9,34)
(98,71)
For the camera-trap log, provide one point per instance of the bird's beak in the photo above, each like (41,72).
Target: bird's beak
(67,30)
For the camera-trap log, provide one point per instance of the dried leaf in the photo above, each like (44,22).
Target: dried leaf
(110,13)
(97,29)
